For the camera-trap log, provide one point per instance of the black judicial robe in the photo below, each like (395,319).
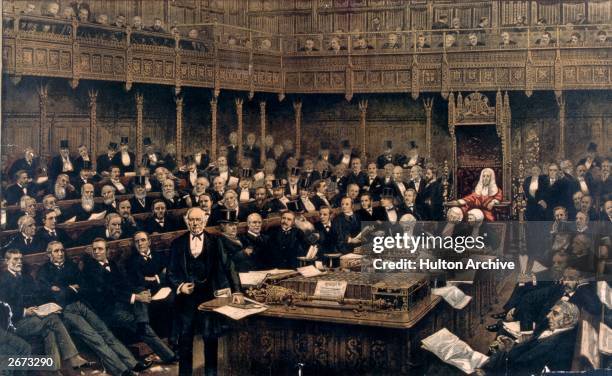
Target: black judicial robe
(68,274)
(344,227)
(288,245)
(137,268)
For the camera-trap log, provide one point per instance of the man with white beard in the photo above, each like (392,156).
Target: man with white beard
(50,203)
(140,202)
(124,159)
(62,189)
(112,230)
(171,197)
(83,210)
(200,187)
(218,189)
(108,195)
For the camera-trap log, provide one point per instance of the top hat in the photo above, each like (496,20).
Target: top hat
(86,165)
(295,171)
(277,183)
(346,144)
(228,216)
(246,173)
(63,144)
(112,145)
(124,140)
(388,144)
(294,206)
(146,141)
(387,192)
(140,180)
(413,145)
(325,174)
(592,147)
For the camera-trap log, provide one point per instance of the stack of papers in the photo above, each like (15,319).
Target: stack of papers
(453,296)
(451,350)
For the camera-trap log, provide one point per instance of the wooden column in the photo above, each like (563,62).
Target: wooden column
(428,104)
(139,125)
(179,128)
(561,103)
(297,107)
(43,129)
(363,110)
(213,128)
(262,124)
(93,122)
(239,102)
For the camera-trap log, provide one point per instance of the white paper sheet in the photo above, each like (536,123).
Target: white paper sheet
(588,344)
(605,339)
(450,349)
(309,271)
(238,313)
(97,216)
(312,252)
(333,290)
(605,293)
(453,296)
(47,309)
(252,278)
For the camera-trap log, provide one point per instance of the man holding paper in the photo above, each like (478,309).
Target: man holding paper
(197,270)
(60,278)
(20,292)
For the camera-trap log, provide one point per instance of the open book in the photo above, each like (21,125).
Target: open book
(451,350)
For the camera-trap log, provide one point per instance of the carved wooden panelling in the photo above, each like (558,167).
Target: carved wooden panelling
(102,64)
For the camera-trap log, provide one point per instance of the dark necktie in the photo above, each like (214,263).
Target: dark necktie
(194,237)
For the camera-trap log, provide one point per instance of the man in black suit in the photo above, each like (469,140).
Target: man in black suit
(432,196)
(60,279)
(260,204)
(83,210)
(172,198)
(417,183)
(366,211)
(356,176)
(387,212)
(117,302)
(552,348)
(105,161)
(346,226)
(327,235)
(533,189)
(124,159)
(128,223)
(387,155)
(150,157)
(159,221)
(255,240)
(278,201)
(49,231)
(22,294)
(555,191)
(251,150)
(85,176)
(22,187)
(146,268)
(197,269)
(62,189)
(229,202)
(81,159)
(201,187)
(319,198)
(441,23)
(29,163)
(140,203)
(26,240)
(49,202)
(421,43)
(232,150)
(112,230)
(409,205)
(62,163)
(308,171)
(374,183)
(289,243)
(109,199)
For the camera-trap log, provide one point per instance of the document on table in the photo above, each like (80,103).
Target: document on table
(252,278)
(309,271)
(239,313)
(453,296)
(605,339)
(47,309)
(450,349)
(332,290)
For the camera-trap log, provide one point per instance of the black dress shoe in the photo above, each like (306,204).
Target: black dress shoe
(141,366)
(494,327)
(499,316)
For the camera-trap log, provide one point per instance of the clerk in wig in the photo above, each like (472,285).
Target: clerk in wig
(484,197)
